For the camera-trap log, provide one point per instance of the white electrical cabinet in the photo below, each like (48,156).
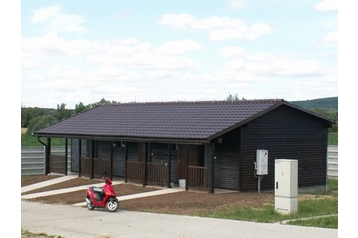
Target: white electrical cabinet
(286,185)
(261,162)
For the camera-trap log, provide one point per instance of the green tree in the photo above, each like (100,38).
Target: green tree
(40,122)
(28,113)
(80,108)
(62,113)
(231,97)
(330,114)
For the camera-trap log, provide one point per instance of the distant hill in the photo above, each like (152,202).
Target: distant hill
(329,104)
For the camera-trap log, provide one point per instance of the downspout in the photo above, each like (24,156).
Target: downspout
(46,155)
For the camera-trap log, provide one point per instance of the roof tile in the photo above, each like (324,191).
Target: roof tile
(179,120)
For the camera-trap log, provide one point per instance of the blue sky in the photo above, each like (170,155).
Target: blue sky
(147,51)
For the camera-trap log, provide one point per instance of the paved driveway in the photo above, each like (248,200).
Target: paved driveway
(79,222)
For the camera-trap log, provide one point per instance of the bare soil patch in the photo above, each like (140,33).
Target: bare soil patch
(184,203)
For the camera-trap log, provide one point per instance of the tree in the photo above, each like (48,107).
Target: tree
(80,108)
(28,113)
(40,122)
(62,113)
(231,97)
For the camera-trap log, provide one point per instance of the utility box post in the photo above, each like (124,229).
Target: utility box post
(261,166)
(286,185)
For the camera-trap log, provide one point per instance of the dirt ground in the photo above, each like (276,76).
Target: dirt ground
(184,203)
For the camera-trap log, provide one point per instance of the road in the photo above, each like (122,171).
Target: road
(79,222)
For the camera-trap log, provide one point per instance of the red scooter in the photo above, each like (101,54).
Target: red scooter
(103,197)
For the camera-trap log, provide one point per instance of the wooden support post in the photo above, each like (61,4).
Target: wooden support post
(91,159)
(209,157)
(126,163)
(79,157)
(145,157)
(66,156)
(212,180)
(111,160)
(47,156)
(169,165)
(240,159)
(186,168)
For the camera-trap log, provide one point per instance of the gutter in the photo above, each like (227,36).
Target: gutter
(127,139)
(38,139)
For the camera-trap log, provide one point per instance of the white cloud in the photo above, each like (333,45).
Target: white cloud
(28,62)
(44,14)
(298,68)
(220,28)
(67,23)
(331,37)
(178,47)
(327,5)
(128,52)
(234,65)
(237,4)
(51,43)
(230,51)
(285,67)
(58,22)
(269,64)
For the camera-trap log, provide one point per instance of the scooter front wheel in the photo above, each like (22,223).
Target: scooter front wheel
(90,205)
(112,205)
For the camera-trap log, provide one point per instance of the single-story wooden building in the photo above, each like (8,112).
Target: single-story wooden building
(207,144)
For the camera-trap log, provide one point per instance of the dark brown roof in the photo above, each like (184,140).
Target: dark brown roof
(166,120)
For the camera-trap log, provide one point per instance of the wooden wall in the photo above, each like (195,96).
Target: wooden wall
(227,161)
(286,134)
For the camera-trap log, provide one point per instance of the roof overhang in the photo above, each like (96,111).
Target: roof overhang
(127,139)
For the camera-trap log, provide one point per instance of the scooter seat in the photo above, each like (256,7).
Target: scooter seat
(97,189)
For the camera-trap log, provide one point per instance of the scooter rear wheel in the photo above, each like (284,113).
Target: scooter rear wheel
(112,205)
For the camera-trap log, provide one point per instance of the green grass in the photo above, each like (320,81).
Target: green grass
(267,214)
(333,138)
(29,140)
(309,211)
(25,233)
(324,222)
(332,184)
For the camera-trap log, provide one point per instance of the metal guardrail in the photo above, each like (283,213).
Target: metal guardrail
(33,160)
(332,162)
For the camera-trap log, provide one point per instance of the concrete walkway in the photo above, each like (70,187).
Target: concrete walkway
(161,191)
(69,221)
(47,183)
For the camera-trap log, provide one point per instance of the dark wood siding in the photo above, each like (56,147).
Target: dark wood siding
(118,160)
(75,153)
(226,162)
(159,153)
(287,134)
(134,150)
